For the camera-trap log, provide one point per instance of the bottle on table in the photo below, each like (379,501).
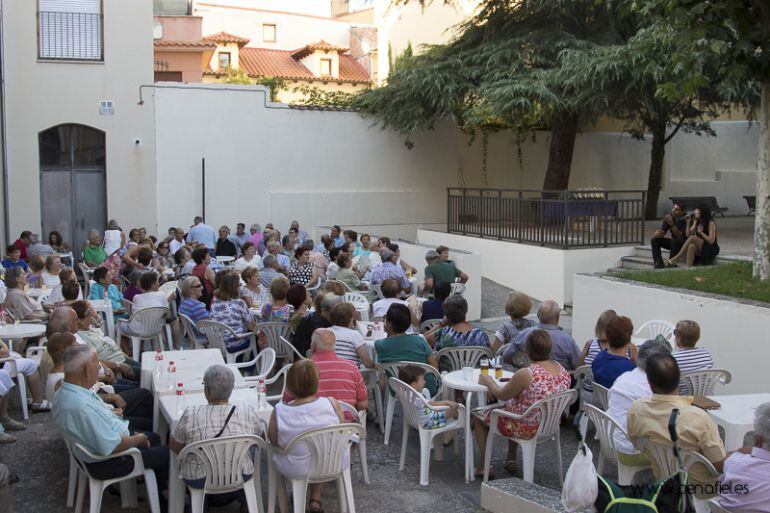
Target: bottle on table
(261,394)
(171,375)
(485,366)
(159,368)
(180,399)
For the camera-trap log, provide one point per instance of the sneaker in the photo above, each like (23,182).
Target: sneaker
(5,438)
(13,425)
(42,406)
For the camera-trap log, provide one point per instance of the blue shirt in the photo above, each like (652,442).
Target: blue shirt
(113,294)
(204,234)
(607,367)
(389,270)
(432,309)
(10,264)
(339,241)
(564,350)
(83,418)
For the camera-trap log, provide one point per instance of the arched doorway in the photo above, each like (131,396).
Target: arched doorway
(73,198)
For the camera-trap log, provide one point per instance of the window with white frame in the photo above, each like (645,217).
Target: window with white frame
(224,60)
(268,32)
(70,30)
(326,67)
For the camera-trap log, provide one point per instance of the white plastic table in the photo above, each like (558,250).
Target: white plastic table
(455,381)
(736,416)
(11,332)
(105,306)
(176,486)
(378,330)
(183,359)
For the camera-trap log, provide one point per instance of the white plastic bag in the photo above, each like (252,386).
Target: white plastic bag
(581,485)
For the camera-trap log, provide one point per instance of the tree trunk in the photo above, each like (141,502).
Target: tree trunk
(762,221)
(563,133)
(655,178)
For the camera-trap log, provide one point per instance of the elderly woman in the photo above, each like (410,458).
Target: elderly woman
(347,275)
(350,343)
(190,306)
(50,276)
(616,359)
(249,258)
(628,388)
(17,303)
(307,411)
(541,379)
(93,253)
(517,306)
(204,273)
(56,296)
(252,291)
(299,299)
(164,260)
(454,330)
(218,418)
(228,308)
(107,350)
(303,271)
(278,310)
(434,308)
(105,289)
(36,270)
(183,264)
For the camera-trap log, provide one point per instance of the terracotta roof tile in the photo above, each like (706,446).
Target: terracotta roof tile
(320,45)
(352,71)
(266,62)
(224,37)
(200,45)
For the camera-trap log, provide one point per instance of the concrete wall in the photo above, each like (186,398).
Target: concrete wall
(735,332)
(542,273)
(271,163)
(41,95)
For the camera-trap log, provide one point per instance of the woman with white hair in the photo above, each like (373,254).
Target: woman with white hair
(216,419)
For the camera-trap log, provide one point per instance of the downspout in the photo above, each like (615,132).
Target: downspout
(3,129)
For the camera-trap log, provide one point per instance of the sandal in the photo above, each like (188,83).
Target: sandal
(510,466)
(311,509)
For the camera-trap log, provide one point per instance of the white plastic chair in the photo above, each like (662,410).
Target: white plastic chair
(550,410)
(189,327)
(605,430)
(377,290)
(280,375)
(426,326)
(715,507)
(392,369)
(329,447)
(456,288)
(128,306)
(168,287)
(462,356)
(45,295)
(704,382)
(263,364)
(223,460)
(407,396)
(274,332)
(215,335)
(13,371)
(601,396)
(652,329)
(372,380)
(97,486)
(360,302)
(344,285)
(359,417)
(150,324)
(583,375)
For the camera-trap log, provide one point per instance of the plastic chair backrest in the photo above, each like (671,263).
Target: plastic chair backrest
(703,382)
(149,321)
(652,329)
(456,288)
(605,429)
(344,285)
(428,325)
(550,411)
(358,300)
(42,297)
(265,362)
(463,356)
(328,448)
(189,327)
(355,414)
(601,395)
(390,369)
(661,454)
(223,460)
(168,287)
(502,349)
(128,306)
(273,332)
(215,334)
(377,289)
(407,396)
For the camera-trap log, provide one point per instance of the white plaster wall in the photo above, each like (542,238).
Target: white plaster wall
(310,7)
(277,164)
(736,333)
(40,95)
(404,232)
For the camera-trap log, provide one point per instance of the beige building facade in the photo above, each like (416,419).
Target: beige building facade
(79,146)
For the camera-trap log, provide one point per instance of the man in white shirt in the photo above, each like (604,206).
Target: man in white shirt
(390,290)
(202,233)
(177,242)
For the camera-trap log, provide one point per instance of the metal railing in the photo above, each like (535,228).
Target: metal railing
(558,219)
(70,36)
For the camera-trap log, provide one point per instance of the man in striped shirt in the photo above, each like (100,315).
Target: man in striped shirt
(338,378)
(687,356)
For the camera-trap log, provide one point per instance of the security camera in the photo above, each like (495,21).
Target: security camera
(137,142)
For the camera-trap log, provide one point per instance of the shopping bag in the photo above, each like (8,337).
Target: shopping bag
(580,486)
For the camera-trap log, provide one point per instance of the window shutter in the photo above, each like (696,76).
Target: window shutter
(70,29)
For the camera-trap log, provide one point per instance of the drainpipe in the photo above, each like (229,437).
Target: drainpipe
(3,129)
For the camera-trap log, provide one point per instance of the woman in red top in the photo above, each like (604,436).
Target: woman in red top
(204,273)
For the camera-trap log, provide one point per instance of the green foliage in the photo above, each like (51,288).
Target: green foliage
(275,84)
(237,76)
(313,96)
(733,279)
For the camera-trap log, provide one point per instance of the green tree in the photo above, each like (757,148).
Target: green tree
(237,76)
(736,32)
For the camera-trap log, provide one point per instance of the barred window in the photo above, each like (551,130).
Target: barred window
(70,30)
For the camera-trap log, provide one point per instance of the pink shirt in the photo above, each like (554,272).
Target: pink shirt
(749,472)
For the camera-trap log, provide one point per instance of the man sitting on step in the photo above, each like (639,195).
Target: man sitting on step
(675,223)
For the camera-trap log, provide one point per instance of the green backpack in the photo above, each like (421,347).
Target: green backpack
(666,496)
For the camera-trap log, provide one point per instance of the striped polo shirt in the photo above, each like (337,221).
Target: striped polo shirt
(348,342)
(691,360)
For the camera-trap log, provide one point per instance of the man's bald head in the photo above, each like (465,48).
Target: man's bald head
(324,339)
(548,312)
(62,320)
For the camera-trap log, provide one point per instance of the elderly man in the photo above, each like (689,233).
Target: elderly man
(240,237)
(675,223)
(389,270)
(37,248)
(564,350)
(225,246)
(269,271)
(177,242)
(274,248)
(93,253)
(302,235)
(746,478)
(629,387)
(202,233)
(338,377)
(217,418)
(82,418)
(439,271)
(648,418)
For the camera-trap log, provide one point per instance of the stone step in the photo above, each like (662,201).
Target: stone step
(516,495)
(635,263)
(646,252)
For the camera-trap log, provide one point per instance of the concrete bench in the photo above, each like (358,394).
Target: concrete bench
(690,203)
(519,496)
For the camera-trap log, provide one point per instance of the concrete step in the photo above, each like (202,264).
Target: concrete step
(635,263)
(516,495)
(646,252)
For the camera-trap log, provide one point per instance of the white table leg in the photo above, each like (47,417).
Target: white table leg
(110,323)
(469,471)
(175,487)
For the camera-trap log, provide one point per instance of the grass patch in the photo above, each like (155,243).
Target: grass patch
(733,279)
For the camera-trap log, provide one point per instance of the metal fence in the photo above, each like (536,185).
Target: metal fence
(558,219)
(71,36)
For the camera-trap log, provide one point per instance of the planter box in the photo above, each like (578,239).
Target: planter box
(736,331)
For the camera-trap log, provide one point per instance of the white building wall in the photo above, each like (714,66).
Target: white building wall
(735,332)
(310,7)
(40,95)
